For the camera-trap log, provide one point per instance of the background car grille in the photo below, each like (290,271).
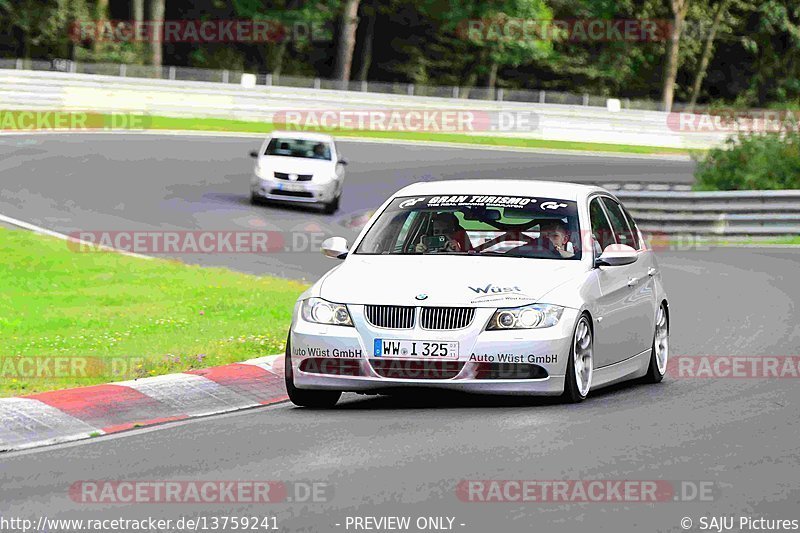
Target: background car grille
(296,194)
(300,177)
(390,316)
(446,317)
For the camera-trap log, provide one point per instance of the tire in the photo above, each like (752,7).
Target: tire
(331,207)
(576,390)
(659,353)
(320,399)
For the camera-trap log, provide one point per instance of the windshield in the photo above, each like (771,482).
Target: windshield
(512,226)
(299,148)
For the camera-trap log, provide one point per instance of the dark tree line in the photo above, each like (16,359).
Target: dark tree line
(718,52)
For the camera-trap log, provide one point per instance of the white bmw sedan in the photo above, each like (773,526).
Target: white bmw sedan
(495,286)
(298,167)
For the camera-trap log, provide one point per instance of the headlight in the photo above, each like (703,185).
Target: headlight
(324,178)
(323,312)
(528,317)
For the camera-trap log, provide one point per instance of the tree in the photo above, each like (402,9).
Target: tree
(43,25)
(157,9)
(775,43)
(492,35)
(679,9)
(295,25)
(708,49)
(365,59)
(347,41)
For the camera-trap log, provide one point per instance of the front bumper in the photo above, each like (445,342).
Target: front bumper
(329,349)
(294,191)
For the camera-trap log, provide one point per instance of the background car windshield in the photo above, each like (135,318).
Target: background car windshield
(513,226)
(299,148)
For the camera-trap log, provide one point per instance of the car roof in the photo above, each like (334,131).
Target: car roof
(503,187)
(302,135)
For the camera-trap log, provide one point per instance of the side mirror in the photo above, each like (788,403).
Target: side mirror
(343,162)
(335,247)
(254,154)
(617,255)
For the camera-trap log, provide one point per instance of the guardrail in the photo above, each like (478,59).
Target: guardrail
(715,214)
(542,96)
(25,89)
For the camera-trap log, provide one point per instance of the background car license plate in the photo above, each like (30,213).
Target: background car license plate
(404,348)
(291,187)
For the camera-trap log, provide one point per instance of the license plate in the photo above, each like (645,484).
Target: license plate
(421,349)
(294,187)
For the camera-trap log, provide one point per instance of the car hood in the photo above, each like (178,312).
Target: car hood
(448,280)
(294,165)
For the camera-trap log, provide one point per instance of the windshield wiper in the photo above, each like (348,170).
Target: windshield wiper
(489,252)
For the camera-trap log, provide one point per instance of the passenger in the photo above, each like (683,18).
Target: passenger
(558,234)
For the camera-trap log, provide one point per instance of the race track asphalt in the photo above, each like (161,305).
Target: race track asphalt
(97,183)
(390,456)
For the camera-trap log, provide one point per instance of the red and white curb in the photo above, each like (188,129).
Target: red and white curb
(73,414)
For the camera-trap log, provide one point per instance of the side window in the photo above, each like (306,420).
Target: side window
(618,223)
(632,225)
(600,227)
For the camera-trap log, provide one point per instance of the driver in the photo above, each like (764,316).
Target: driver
(447,224)
(320,151)
(558,234)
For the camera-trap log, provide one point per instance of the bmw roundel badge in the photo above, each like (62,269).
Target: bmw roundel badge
(421,296)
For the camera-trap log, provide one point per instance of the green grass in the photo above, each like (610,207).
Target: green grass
(789,240)
(216,124)
(106,306)
(689,242)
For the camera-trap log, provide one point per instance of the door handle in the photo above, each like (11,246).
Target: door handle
(633,282)
(651,272)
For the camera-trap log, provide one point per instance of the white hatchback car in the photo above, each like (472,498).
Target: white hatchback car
(497,286)
(298,167)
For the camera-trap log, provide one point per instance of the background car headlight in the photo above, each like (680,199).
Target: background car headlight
(324,178)
(323,312)
(527,317)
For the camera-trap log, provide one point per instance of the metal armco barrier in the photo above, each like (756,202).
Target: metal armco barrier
(715,214)
(29,89)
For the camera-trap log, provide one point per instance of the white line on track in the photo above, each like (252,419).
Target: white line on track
(44,231)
